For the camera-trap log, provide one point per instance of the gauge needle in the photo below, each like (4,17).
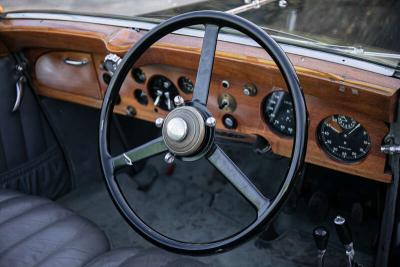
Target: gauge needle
(355,128)
(333,128)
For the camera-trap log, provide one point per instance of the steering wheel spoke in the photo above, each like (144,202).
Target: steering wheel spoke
(144,151)
(238,179)
(206,63)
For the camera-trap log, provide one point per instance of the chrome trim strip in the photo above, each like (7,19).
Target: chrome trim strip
(292,49)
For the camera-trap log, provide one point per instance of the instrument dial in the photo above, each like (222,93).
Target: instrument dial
(186,85)
(343,138)
(278,112)
(346,122)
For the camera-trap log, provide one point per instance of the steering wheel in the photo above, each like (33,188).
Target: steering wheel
(188,130)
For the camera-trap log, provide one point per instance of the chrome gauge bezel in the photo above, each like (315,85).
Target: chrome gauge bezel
(332,155)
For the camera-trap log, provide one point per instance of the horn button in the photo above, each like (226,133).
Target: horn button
(184,131)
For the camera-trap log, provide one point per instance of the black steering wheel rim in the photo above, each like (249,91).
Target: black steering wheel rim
(299,145)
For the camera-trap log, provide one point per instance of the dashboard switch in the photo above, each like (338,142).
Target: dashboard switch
(158,98)
(249,90)
(130,111)
(229,121)
(227,103)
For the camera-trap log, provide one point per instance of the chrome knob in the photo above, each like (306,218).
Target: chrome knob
(211,122)
(179,101)
(169,158)
(177,129)
(159,122)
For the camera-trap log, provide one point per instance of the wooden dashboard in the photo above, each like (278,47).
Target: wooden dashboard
(329,88)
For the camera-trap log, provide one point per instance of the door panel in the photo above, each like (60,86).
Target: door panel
(31,159)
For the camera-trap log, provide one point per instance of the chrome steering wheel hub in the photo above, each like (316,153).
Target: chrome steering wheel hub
(184,131)
(177,129)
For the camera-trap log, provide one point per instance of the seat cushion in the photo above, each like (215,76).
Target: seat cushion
(153,257)
(38,232)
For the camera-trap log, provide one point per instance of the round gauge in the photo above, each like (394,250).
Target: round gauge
(278,112)
(346,122)
(186,85)
(138,75)
(343,138)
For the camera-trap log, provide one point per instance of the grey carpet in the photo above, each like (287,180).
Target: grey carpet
(197,204)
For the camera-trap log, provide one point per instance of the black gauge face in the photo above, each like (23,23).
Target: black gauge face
(278,112)
(186,85)
(343,138)
(346,122)
(138,75)
(162,91)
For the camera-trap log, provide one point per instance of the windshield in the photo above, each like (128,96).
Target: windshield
(362,29)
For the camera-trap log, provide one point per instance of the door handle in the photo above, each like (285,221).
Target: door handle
(75,62)
(20,93)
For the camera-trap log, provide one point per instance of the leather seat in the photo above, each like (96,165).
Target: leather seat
(38,232)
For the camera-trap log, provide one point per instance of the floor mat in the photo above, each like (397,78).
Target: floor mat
(197,204)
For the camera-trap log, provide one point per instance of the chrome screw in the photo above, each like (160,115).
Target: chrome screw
(211,122)
(179,101)
(159,122)
(169,158)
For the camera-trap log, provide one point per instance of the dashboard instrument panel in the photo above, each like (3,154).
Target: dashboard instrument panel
(360,97)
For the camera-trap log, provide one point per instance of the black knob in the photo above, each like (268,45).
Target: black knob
(229,121)
(321,237)
(343,230)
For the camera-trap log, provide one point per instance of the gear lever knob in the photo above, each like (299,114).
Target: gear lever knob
(321,237)
(343,230)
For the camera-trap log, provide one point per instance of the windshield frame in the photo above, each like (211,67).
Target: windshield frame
(289,45)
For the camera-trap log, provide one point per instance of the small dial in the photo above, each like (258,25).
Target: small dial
(186,85)
(346,122)
(138,75)
(278,112)
(343,138)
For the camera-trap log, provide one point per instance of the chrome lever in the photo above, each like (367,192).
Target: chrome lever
(20,93)
(74,62)
(158,98)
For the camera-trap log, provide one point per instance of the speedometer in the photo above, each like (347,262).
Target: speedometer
(278,112)
(343,138)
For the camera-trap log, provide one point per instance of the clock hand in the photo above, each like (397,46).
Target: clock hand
(333,128)
(352,130)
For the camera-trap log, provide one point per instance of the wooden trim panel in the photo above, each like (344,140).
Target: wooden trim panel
(70,77)
(329,88)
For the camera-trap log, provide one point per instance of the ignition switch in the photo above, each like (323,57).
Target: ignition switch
(227,103)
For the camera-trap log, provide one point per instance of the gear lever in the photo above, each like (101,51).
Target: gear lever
(321,237)
(345,236)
